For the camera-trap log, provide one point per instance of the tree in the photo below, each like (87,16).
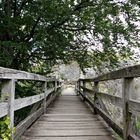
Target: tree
(45,32)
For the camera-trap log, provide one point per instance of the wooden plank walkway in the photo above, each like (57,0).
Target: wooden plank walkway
(68,118)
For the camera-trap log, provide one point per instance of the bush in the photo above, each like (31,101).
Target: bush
(5,129)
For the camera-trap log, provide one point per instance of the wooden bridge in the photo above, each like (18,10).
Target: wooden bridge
(78,115)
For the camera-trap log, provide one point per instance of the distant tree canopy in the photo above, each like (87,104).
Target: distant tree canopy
(41,33)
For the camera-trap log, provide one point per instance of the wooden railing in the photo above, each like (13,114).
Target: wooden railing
(9,104)
(130,107)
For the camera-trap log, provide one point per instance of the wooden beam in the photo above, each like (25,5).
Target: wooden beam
(96,90)
(88,90)
(106,118)
(6,73)
(110,122)
(45,93)
(27,101)
(21,128)
(128,72)
(84,86)
(8,94)
(133,137)
(8,89)
(88,100)
(24,102)
(55,85)
(115,100)
(3,109)
(127,90)
(134,107)
(50,91)
(52,98)
(78,87)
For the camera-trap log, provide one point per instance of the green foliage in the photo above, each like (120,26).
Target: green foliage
(28,88)
(35,35)
(5,129)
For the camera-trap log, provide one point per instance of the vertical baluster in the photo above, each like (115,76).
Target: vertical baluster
(45,95)
(84,86)
(77,86)
(58,83)
(55,85)
(127,90)
(96,89)
(8,91)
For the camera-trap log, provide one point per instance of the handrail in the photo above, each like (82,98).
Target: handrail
(129,106)
(128,72)
(115,100)
(10,105)
(7,73)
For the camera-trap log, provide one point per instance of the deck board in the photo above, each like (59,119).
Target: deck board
(68,118)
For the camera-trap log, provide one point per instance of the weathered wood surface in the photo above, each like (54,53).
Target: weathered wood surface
(134,107)
(23,102)
(23,125)
(115,100)
(6,73)
(3,109)
(88,90)
(129,106)
(104,115)
(68,119)
(8,88)
(127,89)
(20,129)
(128,72)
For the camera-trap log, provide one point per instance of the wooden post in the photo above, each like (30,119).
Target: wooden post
(8,93)
(96,89)
(77,87)
(45,94)
(127,90)
(84,93)
(84,85)
(55,85)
